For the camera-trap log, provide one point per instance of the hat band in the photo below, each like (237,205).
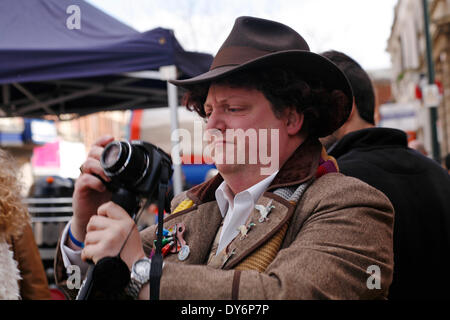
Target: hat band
(236,55)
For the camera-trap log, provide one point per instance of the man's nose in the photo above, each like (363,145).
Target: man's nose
(216,121)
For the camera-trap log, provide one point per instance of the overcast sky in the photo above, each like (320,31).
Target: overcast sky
(359,28)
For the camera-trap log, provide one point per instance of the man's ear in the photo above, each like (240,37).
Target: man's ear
(353,112)
(294,121)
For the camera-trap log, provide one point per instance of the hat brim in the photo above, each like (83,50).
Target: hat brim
(309,65)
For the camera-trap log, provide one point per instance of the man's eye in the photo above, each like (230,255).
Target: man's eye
(234,109)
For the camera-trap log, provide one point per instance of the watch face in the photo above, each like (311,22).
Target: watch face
(141,270)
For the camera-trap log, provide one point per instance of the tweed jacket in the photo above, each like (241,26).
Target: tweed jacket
(339,229)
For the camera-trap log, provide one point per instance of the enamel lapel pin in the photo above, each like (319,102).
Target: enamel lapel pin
(184,250)
(264,211)
(244,230)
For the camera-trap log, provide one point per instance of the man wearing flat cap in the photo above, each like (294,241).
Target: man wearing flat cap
(298,230)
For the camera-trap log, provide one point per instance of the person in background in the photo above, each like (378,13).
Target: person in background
(22,274)
(447,162)
(417,186)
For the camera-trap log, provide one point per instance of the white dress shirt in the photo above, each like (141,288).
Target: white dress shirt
(70,256)
(235,210)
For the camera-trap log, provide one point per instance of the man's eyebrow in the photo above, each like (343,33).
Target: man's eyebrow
(224,100)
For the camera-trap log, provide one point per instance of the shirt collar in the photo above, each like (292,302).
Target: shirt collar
(224,194)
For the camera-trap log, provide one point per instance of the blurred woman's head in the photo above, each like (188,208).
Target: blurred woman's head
(13,213)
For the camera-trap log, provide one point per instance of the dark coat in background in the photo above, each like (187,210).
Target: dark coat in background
(419,190)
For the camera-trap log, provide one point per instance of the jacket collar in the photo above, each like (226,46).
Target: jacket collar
(300,167)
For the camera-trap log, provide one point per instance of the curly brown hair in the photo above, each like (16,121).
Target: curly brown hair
(13,213)
(283,88)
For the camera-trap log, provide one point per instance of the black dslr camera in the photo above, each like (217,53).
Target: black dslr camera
(136,170)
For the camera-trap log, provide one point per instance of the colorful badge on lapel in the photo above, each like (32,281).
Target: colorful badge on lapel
(173,242)
(184,250)
(264,211)
(184,253)
(166,249)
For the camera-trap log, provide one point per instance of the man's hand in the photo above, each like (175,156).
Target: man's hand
(90,192)
(110,230)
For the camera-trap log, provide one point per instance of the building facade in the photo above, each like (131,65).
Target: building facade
(407,47)
(381,81)
(88,129)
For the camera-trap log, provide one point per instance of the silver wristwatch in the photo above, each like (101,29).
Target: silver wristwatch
(140,274)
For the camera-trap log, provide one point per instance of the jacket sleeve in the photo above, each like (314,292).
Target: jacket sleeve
(34,284)
(346,236)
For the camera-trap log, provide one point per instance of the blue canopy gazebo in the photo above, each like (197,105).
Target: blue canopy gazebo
(50,67)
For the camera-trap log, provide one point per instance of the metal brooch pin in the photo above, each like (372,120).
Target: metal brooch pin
(264,211)
(244,230)
(228,256)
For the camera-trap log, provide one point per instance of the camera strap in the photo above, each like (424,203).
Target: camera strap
(157,259)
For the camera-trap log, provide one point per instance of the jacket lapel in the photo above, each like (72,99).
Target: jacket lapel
(261,232)
(201,222)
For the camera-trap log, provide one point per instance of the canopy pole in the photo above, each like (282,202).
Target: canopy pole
(170,73)
(6,94)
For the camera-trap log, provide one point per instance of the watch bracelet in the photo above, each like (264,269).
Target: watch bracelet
(133,289)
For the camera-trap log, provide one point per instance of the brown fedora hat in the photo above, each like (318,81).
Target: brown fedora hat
(258,43)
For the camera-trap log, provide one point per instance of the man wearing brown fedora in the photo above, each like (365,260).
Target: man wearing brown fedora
(300,230)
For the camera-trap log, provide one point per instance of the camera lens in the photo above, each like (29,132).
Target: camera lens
(124,162)
(112,155)
(115,156)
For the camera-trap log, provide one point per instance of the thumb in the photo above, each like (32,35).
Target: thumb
(112,210)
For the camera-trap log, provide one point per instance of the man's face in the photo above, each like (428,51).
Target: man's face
(242,125)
